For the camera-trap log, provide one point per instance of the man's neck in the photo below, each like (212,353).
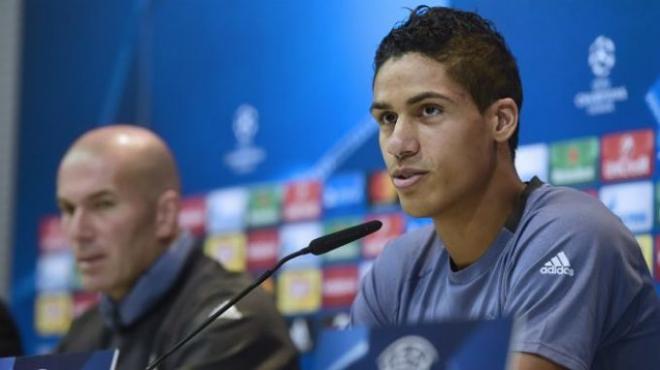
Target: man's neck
(472,225)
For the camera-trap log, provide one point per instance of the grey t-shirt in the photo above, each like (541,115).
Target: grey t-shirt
(569,272)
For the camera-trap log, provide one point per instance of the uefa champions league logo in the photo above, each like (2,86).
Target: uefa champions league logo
(246,156)
(246,124)
(408,353)
(601,56)
(603,96)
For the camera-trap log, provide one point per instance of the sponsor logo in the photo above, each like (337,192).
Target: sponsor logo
(262,249)
(245,158)
(632,203)
(193,215)
(54,312)
(602,97)
(627,155)
(381,190)
(299,291)
(558,265)
(350,251)
(294,237)
(264,205)
(51,235)
(406,353)
(532,160)
(344,191)
(55,271)
(574,161)
(228,249)
(393,226)
(302,201)
(226,210)
(340,285)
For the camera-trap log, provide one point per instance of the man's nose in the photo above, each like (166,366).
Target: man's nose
(404,141)
(78,226)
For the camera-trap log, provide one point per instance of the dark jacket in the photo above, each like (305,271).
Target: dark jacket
(254,338)
(10,342)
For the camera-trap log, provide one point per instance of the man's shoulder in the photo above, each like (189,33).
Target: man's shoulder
(553,203)
(206,284)
(85,333)
(207,276)
(554,212)
(572,226)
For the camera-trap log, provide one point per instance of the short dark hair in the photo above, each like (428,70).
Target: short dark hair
(475,54)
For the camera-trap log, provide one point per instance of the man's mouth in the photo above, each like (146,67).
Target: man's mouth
(91,262)
(404,178)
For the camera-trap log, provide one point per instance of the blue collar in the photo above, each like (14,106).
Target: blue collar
(150,287)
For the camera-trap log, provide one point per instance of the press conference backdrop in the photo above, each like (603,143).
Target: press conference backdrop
(266,108)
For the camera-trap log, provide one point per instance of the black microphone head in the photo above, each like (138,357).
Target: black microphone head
(329,242)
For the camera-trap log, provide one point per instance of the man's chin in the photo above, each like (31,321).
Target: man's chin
(416,208)
(93,286)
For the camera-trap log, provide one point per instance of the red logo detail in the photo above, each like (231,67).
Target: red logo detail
(302,201)
(393,226)
(51,235)
(262,249)
(627,155)
(381,190)
(193,215)
(340,285)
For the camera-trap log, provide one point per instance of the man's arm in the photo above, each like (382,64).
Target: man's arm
(529,361)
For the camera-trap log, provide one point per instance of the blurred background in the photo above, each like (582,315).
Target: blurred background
(265,105)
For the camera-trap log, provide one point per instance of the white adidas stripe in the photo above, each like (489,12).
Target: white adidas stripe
(558,265)
(563,259)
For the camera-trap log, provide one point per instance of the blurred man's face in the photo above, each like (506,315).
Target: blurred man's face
(108,220)
(436,144)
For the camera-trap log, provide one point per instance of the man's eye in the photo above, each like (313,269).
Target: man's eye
(431,110)
(388,118)
(103,204)
(66,210)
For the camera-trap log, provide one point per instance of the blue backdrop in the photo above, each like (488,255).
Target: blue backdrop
(247,92)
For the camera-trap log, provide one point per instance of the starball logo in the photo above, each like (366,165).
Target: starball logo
(246,156)
(603,96)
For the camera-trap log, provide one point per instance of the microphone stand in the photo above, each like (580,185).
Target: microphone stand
(317,246)
(226,306)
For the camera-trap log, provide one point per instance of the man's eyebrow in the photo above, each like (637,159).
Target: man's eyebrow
(412,100)
(427,95)
(93,196)
(379,106)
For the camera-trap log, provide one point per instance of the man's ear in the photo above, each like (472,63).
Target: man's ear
(167,214)
(503,114)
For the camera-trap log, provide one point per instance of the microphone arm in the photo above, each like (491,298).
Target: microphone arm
(317,246)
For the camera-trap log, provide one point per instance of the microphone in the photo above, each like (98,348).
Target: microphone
(318,246)
(335,240)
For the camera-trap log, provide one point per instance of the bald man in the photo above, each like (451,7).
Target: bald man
(118,191)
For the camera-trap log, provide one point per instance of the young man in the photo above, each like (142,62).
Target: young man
(447,97)
(118,191)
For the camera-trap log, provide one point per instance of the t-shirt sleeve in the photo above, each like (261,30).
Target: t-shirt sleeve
(574,286)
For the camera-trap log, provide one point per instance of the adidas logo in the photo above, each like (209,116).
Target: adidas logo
(558,265)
